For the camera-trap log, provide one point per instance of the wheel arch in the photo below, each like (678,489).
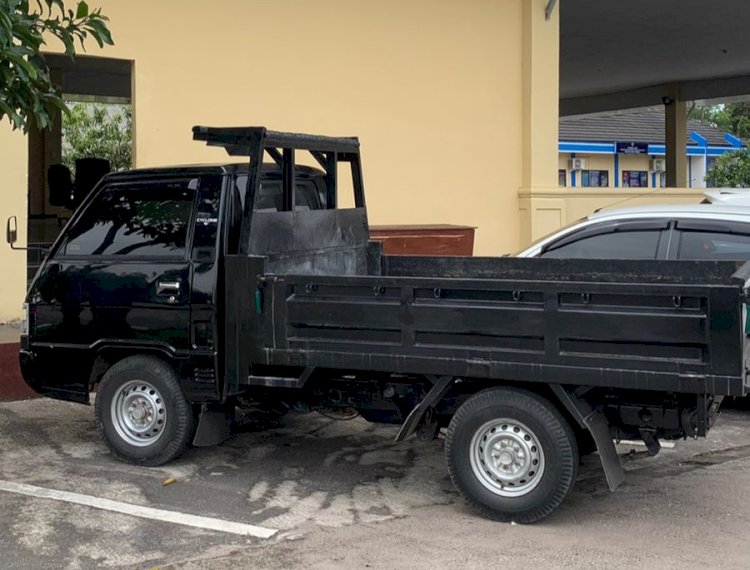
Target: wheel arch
(461,391)
(107,356)
(562,398)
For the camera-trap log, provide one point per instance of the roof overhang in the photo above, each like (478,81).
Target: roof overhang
(618,55)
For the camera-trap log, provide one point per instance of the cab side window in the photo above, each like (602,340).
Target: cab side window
(614,245)
(147,220)
(270,197)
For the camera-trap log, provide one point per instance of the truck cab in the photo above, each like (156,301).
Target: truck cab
(136,271)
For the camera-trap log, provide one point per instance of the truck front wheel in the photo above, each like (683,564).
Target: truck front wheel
(142,413)
(511,454)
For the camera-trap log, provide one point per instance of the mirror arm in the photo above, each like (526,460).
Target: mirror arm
(44,250)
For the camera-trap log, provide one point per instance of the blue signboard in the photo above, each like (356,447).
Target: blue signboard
(631,148)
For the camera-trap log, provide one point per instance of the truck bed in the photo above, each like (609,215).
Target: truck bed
(663,326)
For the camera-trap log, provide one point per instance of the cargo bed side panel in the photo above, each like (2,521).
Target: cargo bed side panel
(653,336)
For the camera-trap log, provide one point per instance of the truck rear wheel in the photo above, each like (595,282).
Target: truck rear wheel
(511,454)
(142,413)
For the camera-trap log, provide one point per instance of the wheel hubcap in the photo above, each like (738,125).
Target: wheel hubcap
(138,413)
(506,457)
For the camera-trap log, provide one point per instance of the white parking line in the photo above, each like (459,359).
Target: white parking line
(138,511)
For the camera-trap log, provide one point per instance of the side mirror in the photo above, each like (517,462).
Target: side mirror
(11,231)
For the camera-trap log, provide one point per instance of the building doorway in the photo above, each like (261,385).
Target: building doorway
(66,160)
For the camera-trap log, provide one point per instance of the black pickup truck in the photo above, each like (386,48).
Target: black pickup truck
(182,295)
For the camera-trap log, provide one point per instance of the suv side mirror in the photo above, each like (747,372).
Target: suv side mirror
(11,231)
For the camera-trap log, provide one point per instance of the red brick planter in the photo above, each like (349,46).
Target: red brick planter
(425,239)
(12,386)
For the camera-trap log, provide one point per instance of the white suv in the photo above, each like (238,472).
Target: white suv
(716,231)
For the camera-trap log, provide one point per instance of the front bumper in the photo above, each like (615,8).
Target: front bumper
(50,383)
(29,369)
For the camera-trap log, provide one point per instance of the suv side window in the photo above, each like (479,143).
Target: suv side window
(614,245)
(716,246)
(143,220)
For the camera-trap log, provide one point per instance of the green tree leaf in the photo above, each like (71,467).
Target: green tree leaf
(82,11)
(100,30)
(732,118)
(731,170)
(28,95)
(27,68)
(98,130)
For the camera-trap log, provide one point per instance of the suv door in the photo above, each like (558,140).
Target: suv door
(119,275)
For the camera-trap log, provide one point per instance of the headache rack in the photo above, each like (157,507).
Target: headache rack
(240,141)
(281,147)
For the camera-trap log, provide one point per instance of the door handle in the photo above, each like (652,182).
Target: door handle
(167,287)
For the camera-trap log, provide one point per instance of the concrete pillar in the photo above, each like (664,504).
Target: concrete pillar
(540,83)
(675,137)
(697,171)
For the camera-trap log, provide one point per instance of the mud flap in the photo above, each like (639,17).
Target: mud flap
(599,428)
(214,426)
(596,423)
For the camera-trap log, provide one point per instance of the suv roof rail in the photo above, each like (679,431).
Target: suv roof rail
(238,141)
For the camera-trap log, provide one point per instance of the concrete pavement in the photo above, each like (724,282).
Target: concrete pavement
(342,495)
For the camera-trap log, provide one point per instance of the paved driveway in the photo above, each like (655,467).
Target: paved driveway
(341,494)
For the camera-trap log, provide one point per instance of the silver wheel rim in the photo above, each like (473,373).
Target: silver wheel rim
(506,458)
(139,413)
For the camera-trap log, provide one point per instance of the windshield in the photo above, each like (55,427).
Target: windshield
(547,236)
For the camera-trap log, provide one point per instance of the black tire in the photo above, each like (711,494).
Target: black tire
(538,477)
(141,412)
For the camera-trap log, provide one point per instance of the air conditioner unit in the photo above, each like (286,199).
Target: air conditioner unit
(577,164)
(658,165)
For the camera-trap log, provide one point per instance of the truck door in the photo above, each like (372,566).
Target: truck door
(120,275)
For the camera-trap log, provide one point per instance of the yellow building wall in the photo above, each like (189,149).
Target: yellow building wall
(13,178)
(607,162)
(595,162)
(455,103)
(431,88)
(540,87)
(634,162)
(604,162)
(600,162)
(555,208)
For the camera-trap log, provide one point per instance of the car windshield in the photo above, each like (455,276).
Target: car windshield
(549,235)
